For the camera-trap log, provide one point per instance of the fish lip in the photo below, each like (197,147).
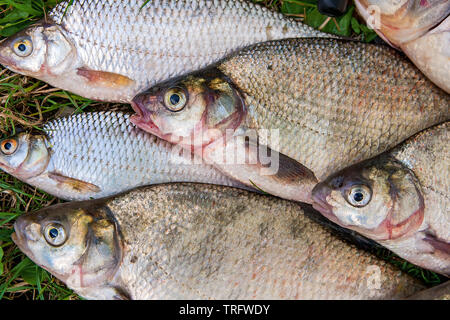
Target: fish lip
(19,238)
(142,119)
(319,203)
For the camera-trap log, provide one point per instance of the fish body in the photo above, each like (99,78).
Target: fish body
(403,199)
(421,29)
(112,50)
(98,154)
(330,103)
(191,241)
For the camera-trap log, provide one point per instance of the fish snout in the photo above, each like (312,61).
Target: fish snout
(144,105)
(26,230)
(319,200)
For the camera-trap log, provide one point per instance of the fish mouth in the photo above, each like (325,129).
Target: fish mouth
(319,203)
(20,238)
(142,118)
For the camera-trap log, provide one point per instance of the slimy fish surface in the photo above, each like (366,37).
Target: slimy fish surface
(94,155)
(330,104)
(193,241)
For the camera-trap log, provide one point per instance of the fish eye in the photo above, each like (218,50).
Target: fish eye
(23,47)
(55,234)
(175,99)
(8,146)
(359,195)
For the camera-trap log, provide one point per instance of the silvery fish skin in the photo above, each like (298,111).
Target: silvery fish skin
(94,155)
(402,199)
(421,29)
(112,50)
(332,103)
(192,241)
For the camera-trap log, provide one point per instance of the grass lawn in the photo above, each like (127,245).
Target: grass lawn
(26,103)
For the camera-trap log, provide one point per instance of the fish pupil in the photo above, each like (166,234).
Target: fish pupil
(53,233)
(8,146)
(174,99)
(22,47)
(358,196)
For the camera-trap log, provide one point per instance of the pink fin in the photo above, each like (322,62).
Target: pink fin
(73,184)
(105,79)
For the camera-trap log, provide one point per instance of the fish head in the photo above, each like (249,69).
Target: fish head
(40,51)
(400,21)
(76,242)
(380,199)
(194,110)
(24,155)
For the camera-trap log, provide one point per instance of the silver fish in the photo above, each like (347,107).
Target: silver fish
(111,50)
(400,199)
(93,155)
(321,104)
(190,241)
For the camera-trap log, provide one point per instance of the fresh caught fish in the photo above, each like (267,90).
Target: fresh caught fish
(420,28)
(112,50)
(400,199)
(94,155)
(318,105)
(188,241)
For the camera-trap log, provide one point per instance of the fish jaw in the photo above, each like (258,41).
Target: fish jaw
(143,119)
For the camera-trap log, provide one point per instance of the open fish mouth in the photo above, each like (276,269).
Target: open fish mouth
(143,118)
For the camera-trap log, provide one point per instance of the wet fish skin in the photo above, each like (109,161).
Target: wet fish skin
(407,208)
(112,50)
(99,154)
(421,29)
(191,241)
(333,102)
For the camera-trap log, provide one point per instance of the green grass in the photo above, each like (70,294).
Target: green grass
(27,103)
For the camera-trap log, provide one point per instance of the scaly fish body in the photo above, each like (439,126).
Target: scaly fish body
(187,241)
(93,155)
(404,197)
(333,103)
(420,28)
(111,50)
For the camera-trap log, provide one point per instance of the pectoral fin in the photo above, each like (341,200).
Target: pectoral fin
(260,167)
(73,184)
(105,79)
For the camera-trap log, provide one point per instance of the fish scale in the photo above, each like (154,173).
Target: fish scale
(120,38)
(364,100)
(104,149)
(191,241)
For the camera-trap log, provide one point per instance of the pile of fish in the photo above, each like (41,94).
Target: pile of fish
(243,119)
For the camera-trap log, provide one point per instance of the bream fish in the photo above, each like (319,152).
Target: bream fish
(192,241)
(94,155)
(314,105)
(112,50)
(400,199)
